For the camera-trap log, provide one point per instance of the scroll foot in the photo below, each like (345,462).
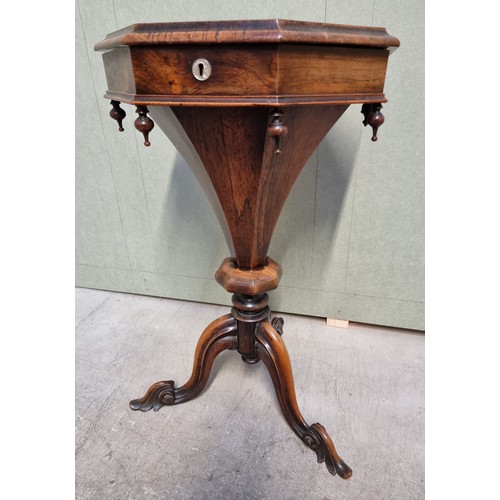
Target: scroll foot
(319,441)
(278,323)
(158,395)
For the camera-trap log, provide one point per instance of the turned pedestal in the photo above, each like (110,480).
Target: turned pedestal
(246,103)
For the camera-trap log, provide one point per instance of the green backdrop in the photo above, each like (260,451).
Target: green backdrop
(351,235)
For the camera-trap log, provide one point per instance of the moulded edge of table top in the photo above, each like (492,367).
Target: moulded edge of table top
(253,31)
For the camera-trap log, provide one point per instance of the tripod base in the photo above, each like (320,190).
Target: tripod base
(250,331)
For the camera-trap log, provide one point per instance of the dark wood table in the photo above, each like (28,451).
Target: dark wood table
(246,103)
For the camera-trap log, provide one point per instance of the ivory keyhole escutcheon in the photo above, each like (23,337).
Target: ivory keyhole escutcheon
(201,69)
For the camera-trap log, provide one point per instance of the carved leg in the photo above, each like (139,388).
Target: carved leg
(217,337)
(271,349)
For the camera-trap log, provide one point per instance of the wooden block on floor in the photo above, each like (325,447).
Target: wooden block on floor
(339,323)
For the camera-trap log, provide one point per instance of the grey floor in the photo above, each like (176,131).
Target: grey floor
(364,384)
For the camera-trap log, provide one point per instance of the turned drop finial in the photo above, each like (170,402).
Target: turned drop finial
(143,123)
(117,114)
(277,129)
(373,117)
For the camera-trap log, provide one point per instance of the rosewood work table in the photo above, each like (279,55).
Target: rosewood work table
(246,103)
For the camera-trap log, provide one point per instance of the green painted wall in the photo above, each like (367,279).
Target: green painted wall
(351,235)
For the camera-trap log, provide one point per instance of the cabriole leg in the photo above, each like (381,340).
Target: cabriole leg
(271,349)
(217,337)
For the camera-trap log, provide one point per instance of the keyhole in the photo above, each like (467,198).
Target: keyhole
(201,69)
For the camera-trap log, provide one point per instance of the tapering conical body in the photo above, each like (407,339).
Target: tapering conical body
(236,160)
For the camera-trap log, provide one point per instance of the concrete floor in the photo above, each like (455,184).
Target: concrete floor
(364,384)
